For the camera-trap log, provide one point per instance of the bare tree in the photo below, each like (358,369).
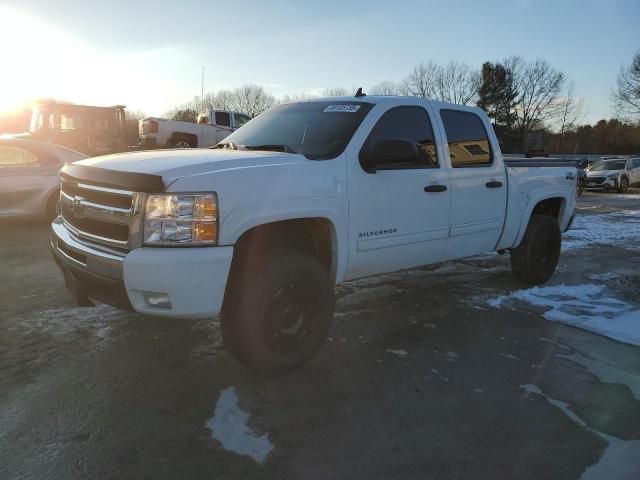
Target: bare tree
(540,86)
(457,83)
(421,82)
(387,87)
(185,115)
(335,92)
(571,112)
(132,117)
(250,99)
(626,96)
(295,98)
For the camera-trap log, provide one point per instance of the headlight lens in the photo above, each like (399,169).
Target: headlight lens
(181,219)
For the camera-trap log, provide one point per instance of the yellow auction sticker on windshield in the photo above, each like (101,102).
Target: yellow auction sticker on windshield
(342,108)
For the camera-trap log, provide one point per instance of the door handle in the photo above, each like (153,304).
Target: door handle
(435,188)
(493,184)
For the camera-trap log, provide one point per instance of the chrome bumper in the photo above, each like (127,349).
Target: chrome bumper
(89,271)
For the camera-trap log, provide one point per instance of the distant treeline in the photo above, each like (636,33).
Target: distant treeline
(530,103)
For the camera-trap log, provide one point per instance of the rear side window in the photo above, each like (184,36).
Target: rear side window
(467,138)
(223,119)
(406,123)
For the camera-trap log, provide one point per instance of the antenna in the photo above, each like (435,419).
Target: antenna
(360,93)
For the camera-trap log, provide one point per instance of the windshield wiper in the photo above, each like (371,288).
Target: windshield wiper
(270,147)
(229,146)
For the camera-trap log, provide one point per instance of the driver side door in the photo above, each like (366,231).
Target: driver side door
(398,211)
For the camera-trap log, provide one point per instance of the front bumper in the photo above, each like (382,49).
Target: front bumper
(608,184)
(193,279)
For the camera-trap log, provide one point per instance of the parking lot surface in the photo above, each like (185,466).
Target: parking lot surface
(451,371)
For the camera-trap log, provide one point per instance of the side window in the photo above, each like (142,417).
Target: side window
(404,136)
(467,138)
(240,119)
(223,119)
(17,157)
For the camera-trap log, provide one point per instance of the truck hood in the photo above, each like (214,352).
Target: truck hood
(174,164)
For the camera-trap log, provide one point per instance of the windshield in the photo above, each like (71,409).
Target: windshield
(317,130)
(609,165)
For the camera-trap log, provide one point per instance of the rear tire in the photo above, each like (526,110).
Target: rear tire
(279,312)
(181,142)
(534,261)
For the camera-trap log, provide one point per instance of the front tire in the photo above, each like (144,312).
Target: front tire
(279,313)
(624,185)
(534,261)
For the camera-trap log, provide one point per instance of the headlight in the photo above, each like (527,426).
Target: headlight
(181,219)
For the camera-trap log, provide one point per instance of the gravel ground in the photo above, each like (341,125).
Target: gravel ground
(421,377)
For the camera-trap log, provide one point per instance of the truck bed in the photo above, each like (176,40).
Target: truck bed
(539,162)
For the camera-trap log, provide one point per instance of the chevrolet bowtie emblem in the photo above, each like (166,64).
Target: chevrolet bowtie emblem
(77,207)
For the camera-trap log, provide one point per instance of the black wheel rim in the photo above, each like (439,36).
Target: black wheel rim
(289,318)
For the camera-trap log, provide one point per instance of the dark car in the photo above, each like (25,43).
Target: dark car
(29,183)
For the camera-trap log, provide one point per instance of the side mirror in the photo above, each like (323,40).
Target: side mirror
(391,152)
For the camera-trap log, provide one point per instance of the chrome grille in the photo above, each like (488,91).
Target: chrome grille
(107,216)
(596,180)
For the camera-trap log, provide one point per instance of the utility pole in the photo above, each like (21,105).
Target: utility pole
(202,92)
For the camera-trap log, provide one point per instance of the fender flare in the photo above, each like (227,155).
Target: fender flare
(242,219)
(564,217)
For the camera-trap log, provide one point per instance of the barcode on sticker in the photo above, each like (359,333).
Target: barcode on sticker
(342,108)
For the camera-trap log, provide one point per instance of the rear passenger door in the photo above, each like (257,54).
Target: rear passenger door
(478,184)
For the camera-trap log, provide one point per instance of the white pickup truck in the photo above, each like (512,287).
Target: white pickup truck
(304,197)
(211,128)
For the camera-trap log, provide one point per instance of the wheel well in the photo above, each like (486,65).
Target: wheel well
(189,137)
(549,206)
(309,235)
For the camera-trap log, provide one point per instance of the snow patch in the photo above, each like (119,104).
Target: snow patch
(229,426)
(587,306)
(399,352)
(619,460)
(61,322)
(616,228)
(605,372)
(509,356)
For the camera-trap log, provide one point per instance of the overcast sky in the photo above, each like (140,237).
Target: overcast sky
(149,54)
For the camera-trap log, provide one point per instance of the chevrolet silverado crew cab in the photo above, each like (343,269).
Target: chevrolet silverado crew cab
(211,128)
(307,195)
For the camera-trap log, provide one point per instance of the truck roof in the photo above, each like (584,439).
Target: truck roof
(73,106)
(393,100)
